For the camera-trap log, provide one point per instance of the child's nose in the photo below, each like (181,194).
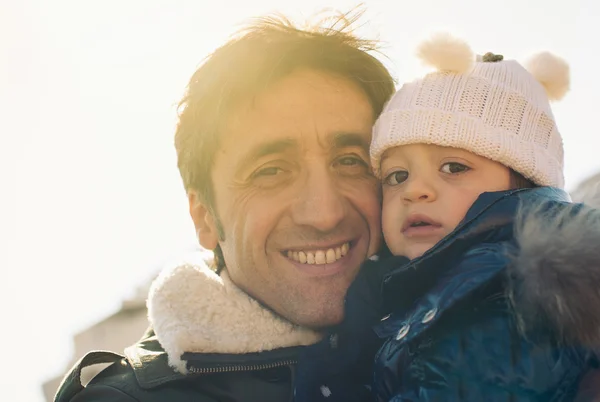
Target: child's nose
(418,189)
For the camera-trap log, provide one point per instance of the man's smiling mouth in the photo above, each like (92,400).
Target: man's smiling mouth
(319,256)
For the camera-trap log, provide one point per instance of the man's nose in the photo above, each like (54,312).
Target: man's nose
(320,203)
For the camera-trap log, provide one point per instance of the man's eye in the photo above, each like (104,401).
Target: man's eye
(395,178)
(454,168)
(267,171)
(351,161)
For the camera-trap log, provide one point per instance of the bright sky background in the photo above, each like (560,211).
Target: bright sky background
(91,200)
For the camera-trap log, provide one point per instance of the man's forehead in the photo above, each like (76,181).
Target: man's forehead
(326,141)
(301,112)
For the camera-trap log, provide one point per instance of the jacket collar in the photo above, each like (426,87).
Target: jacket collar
(150,362)
(192,310)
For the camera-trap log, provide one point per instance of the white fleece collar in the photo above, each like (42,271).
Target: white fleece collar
(192,309)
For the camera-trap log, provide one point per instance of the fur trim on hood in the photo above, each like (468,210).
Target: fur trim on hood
(555,276)
(192,309)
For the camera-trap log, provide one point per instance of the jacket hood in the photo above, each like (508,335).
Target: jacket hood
(194,310)
(554,274)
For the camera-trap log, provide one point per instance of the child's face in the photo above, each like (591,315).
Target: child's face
(427,191)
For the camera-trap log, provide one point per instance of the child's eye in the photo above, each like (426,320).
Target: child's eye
(454,168)
(396,178)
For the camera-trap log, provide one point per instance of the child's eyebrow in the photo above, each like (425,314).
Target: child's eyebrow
(384,157)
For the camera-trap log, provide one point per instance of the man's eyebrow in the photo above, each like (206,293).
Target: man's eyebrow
(265,149)
(342,140)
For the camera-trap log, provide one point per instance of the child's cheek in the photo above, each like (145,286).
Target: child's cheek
(392,220)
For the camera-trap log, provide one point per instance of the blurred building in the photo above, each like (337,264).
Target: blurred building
(588,191)
(124,327)
(113,333)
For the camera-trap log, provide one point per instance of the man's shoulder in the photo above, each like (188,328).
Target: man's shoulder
(144,374)
(119,383)
(115,383)
(141,374)
(107,385)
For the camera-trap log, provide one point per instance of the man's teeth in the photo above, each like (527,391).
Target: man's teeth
(318,257)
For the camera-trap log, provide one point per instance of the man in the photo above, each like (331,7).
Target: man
(272,146)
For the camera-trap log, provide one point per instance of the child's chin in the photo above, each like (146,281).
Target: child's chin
(417,250)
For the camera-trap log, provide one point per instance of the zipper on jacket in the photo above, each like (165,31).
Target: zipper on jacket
(293,383)
(244,367)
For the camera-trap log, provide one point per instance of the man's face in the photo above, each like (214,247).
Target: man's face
(294,193)
(427,191)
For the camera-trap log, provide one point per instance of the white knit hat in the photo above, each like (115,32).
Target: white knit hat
(492,107)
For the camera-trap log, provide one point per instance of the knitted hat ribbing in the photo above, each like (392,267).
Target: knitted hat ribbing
(492,107)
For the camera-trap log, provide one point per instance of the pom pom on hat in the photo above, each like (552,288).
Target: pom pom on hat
(552,72)
(446,53)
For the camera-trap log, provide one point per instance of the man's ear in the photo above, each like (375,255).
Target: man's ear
(204,222)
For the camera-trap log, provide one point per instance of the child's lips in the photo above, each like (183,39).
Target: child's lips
(420,225)
(422,231)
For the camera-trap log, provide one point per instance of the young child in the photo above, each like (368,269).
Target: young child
(493,289)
